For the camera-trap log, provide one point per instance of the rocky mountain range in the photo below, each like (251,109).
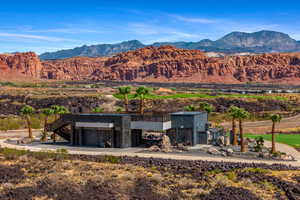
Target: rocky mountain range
(158,64)
(235,42)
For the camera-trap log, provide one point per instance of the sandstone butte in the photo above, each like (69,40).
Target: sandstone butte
(161,64)
(20,66)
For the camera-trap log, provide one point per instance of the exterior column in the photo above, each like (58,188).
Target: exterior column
(80,138)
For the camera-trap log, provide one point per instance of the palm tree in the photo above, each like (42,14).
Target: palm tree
(275,119)
(233,113)
(141,93)
(97,110)
(203,106)
(59,110)
(27,111)
(241,115)
(190,108)
(47,112)
(124,92)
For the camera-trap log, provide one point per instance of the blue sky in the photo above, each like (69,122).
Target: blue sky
(42,26)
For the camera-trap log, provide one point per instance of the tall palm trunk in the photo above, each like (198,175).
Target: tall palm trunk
(235,138)
(54,134)
(273,138)
(29,127)
(126,103)
(243,149)
(45,123)
(142,105)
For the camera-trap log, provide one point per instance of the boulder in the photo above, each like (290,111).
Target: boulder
(214,151)
(166,144)
(154,148)
(181,147)
(25,141)
(229,151)
(221,141)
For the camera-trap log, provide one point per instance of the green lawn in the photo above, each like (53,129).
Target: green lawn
(207,96)
(290,139)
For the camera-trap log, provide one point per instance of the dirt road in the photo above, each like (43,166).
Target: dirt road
(265,126)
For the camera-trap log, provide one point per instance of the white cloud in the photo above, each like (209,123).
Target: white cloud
(161,32)
(193,19)
(36,37)
(64,30)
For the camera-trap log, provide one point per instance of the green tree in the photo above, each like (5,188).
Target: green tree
(119,109)
(190,108)
(47,112)
(276,118)
(27,111)
(203,106)
(141,93)
(242,114)
(124,92)
(97,110)
(233,113)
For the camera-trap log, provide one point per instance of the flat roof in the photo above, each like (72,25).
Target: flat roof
(104,114)
(187,113)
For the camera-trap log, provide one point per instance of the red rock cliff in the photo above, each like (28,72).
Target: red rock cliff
(20,66)
(160,64)
(77,68)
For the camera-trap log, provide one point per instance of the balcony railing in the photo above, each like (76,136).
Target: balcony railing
(155,117)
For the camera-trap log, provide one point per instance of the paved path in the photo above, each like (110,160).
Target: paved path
(265,126)
(135,152)
(285,148)
(19,133)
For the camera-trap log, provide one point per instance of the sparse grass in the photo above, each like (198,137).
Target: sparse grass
(12,154)
(289,139)
(256,170)
(208,96)
(17,122)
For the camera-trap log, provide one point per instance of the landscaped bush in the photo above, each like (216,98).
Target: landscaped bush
(259,144)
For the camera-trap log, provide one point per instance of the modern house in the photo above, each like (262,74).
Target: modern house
(126,130)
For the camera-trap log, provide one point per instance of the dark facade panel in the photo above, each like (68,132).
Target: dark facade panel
(116,130)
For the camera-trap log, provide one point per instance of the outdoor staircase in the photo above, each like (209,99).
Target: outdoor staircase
(60,128)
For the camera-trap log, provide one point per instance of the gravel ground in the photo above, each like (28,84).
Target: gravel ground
(132,152)
(265,126)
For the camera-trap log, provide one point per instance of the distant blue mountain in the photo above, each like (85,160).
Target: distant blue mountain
(235,42)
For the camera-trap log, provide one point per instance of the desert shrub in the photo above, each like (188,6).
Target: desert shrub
(44,135)
(231,175)
(42,155)
(111,159)
(61,154)
(259,144)
(256,170)
(13,154)
(119,109)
